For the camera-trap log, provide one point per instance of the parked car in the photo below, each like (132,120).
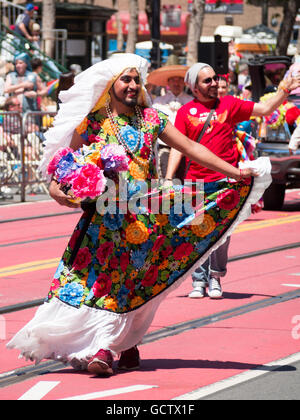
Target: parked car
(268,71)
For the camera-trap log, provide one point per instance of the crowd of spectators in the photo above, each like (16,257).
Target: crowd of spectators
(26,76)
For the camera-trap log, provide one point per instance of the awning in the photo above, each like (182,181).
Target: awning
(111,26)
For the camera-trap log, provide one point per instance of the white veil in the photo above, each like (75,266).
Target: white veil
(89,91)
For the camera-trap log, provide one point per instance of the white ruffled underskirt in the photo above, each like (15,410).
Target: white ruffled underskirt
(61,332)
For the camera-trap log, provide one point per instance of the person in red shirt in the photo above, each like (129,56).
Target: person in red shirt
(218,138)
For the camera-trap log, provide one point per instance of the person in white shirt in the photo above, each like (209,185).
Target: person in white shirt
(173,78)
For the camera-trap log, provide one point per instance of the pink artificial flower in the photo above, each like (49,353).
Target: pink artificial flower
(102,285)
(88,182)
(83,259)
(228,199)
(56,158)
(114,157)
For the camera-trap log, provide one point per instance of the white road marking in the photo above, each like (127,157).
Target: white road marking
(39,390)
(238,379)
(290,285)
(111,392)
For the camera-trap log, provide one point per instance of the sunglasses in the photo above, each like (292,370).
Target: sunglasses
(209,80)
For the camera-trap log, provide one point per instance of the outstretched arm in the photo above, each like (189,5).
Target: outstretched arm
(284,89)
(175,157)
(198,153)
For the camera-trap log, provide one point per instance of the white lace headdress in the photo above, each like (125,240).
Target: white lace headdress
(89,92)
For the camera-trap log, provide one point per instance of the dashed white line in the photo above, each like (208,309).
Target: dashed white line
(111,392)
(39,390)
(290,285)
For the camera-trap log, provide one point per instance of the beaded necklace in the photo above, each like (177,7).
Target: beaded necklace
(122,142)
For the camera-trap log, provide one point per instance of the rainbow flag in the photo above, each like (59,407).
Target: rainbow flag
(52,86)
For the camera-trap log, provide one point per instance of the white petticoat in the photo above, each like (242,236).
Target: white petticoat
(61,332)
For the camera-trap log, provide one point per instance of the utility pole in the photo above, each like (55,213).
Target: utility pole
(265,13)
(155,53)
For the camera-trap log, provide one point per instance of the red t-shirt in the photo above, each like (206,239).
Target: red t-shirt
(218,136)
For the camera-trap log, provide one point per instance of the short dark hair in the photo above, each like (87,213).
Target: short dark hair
(66,80)
(224,80)
(36,62)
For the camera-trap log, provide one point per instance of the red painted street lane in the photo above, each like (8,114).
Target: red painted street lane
(180,364)
(32,209)
(173,365)
(30,266)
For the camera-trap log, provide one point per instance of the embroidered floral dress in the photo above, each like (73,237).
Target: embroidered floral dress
(118,267)
(125,260)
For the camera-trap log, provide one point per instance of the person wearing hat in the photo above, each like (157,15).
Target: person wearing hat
(172,77)
(119,265)
(224,112)
(22,24)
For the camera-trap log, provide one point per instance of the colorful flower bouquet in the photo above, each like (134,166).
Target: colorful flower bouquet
(83,173)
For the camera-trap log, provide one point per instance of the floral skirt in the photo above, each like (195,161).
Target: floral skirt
(117,268)
(119,262)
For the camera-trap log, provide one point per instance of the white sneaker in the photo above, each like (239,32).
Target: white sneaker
(214,288)
(198,292)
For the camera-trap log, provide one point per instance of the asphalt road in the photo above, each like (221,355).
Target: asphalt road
(280,384)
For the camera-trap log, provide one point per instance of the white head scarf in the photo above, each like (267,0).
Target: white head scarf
(192,74)
(89,92)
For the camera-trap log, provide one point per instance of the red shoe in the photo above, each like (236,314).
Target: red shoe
(130,359)
(101,363)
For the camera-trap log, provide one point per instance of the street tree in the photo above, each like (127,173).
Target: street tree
(195,30)
(133,26)
(48,25)
(290,11)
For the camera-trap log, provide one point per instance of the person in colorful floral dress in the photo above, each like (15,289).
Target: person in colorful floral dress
(119,265)
(220,139)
